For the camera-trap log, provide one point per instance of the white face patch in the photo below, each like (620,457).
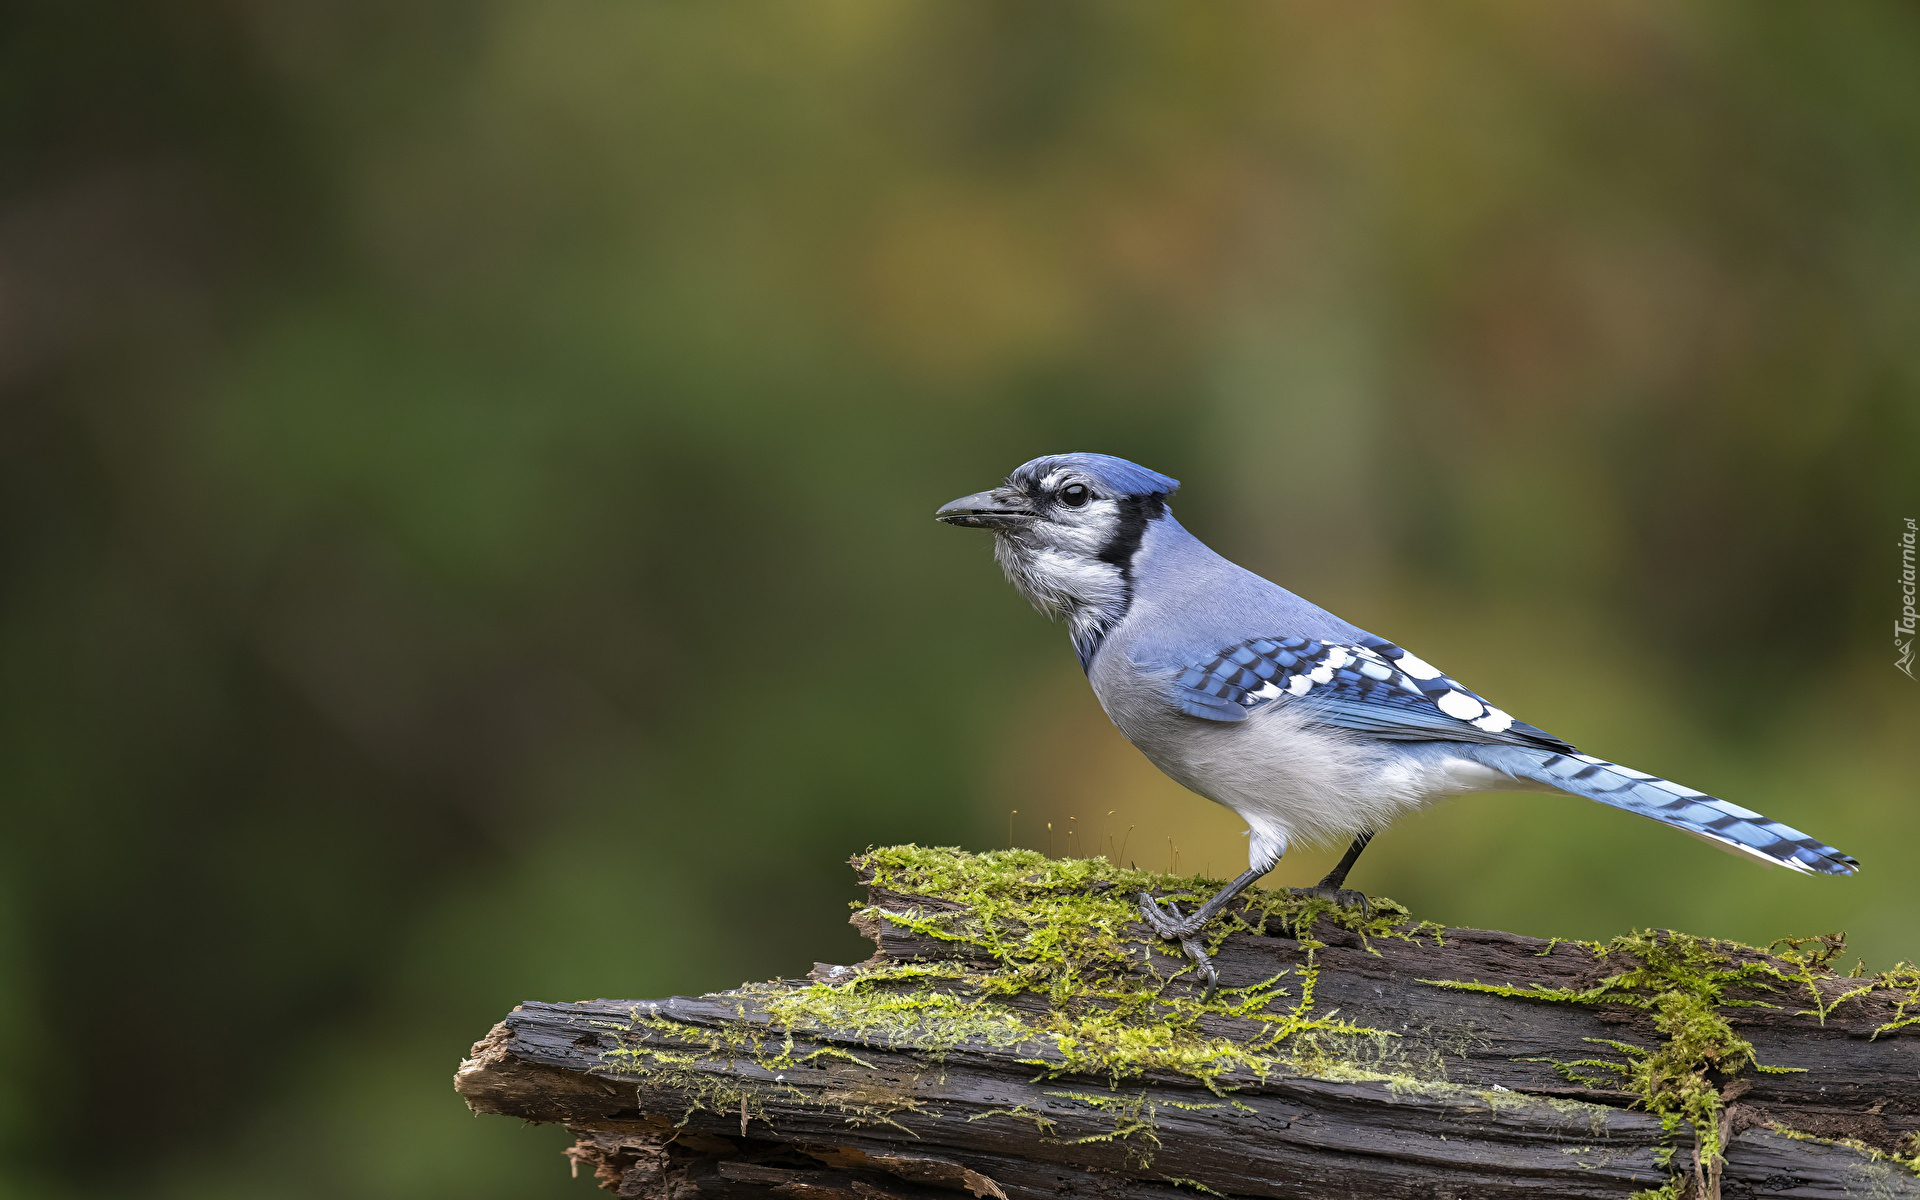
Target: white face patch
(1055,562)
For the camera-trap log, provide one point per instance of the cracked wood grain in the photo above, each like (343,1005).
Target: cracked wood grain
(831,1115)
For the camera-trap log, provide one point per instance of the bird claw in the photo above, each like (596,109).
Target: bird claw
(1183,929)
(1174,927)
(1342,896)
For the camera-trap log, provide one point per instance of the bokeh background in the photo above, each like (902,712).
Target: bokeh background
(466,474)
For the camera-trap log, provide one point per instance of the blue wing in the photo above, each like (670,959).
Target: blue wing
(1369,685)
(1377,688)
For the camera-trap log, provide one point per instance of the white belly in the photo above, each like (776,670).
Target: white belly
(1291,779)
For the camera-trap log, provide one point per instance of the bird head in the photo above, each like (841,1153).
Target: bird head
(1066,527)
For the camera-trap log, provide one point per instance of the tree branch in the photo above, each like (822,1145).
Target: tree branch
(1017,1034)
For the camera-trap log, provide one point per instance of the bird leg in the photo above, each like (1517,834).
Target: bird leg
(1170,923)
(1334,888)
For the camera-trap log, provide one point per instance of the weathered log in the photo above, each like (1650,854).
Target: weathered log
(1018,1034)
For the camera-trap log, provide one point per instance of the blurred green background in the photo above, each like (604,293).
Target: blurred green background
(468,468)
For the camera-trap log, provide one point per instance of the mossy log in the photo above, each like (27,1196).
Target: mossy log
(1018,1034)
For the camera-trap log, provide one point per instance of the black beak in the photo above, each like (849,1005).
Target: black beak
(998,509)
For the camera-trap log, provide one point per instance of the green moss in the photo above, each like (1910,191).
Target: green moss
(1683,982)
(1874,1155)
(652,1047)
(1058,930)
(1047,964)
(1903,980)
(1133,1123)
(1019,1112)
(1027,928)
(1595,1115)
(898,1006)
(700,1062)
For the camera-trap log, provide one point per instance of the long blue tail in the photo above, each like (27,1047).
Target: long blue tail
(1697,813)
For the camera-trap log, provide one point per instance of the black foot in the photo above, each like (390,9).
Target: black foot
(1343,896)
(1175,926)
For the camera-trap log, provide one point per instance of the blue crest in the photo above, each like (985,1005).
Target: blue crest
(1112,474)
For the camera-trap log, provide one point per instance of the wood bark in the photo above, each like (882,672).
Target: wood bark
(1493,1119)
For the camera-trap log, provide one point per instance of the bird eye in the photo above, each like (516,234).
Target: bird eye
(1074,495)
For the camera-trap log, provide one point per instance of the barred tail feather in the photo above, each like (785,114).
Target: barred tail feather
(1704,816)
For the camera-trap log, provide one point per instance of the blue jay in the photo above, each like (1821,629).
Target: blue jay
(1309,728)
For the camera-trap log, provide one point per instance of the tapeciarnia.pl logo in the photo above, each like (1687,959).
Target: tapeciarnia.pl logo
(1903,625)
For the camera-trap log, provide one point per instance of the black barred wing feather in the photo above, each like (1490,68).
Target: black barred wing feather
(1374,686)
(1369,685)
(1709,817)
